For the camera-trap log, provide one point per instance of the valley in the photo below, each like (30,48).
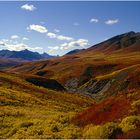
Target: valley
(92,93)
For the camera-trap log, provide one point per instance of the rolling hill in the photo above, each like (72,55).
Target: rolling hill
(96,92)
(9,62)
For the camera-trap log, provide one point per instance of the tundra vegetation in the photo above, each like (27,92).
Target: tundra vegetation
(94,93)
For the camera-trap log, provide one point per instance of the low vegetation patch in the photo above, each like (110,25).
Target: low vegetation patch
(106,131)
(28,111)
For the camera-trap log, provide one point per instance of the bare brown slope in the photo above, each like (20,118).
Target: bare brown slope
(8,62)
(121,42)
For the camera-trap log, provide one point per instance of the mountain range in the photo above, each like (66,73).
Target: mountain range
(24,55)
(11,58)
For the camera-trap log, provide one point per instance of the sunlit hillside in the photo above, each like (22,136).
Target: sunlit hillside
(28,111)
(93,93)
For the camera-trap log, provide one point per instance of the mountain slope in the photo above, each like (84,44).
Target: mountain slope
(74,51)
(9,62)
(120,43)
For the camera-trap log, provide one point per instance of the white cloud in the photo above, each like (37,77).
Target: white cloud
(61,37)
(51,35)
(53,48)
(65,46)
(14,37)
(94,20)
(82,42)
(24,46)
(28,7)
(111,21)
(5,40)
(15,46)
(25,38)
(76,43)
(57,30)
(2,43)
(37,28)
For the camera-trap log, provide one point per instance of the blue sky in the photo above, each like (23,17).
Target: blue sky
(58,27)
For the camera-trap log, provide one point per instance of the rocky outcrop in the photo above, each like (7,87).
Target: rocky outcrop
(72,84)
(108,85)
(95,86)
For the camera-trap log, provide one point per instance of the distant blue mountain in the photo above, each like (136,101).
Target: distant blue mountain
(24,55)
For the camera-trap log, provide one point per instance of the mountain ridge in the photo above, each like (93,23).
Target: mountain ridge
(122,41)
(24,55)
